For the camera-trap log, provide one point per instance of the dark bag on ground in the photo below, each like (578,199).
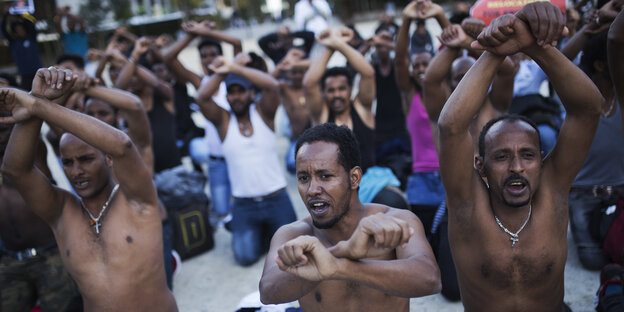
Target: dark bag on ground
(188,206)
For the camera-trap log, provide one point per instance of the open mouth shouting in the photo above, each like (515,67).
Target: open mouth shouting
(318,207)
(80,184)
(516,185)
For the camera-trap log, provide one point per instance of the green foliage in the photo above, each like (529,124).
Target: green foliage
(121,9)
(94,12)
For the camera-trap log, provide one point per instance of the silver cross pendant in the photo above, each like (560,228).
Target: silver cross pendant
(97,227)
(514,240)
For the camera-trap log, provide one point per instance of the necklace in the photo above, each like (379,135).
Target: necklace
(611,106)
(246,131)
(96,221)
(514,236)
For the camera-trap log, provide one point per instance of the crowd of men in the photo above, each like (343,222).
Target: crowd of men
(452,171)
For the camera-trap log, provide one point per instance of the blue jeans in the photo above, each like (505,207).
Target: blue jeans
(220,188)
(255,221)
(586,211)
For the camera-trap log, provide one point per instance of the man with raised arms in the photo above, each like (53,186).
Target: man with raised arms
(110,236)
(508,212)
(346,256)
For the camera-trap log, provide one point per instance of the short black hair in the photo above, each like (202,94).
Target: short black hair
(595,49)
(257,62)
(509,118)
(348,146)
(207,41)
(337,71)
(74,58)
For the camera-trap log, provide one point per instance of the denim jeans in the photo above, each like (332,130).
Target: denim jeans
(586,211)
(220,188)
(218,178)
(254,223)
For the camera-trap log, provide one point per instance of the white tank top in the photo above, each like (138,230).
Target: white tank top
(252,162)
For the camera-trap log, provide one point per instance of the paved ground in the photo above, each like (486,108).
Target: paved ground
(213,282)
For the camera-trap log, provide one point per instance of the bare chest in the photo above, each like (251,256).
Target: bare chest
(350,296)
(127,245)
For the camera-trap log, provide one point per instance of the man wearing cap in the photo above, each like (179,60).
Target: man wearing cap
(249,146)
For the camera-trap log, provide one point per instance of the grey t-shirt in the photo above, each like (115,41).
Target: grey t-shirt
(604,164)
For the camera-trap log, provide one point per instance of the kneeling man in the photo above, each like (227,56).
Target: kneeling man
(346,256)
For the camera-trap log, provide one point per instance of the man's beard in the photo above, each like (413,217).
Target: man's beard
(329,224)
(244,111)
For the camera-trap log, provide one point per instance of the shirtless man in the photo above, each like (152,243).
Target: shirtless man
(508,219)
(116,257)
(291,90)
(346,256)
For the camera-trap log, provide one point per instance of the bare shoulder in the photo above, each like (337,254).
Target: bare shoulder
(295,229)
(390,211)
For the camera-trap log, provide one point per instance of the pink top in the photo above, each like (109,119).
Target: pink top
(424,156)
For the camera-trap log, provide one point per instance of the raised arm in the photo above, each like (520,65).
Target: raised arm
(213,112)
(579,95)
(132,68)
(435,86)
(129,169)
(455,141)
(131,109)
(267,105)
(615,46)
(402,58)
(19,166)
(582,102)
(366,88)
(424,9)
(311,84)
(181,73)
(207,28)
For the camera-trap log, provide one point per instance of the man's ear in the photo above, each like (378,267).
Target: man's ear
(355,176)
(109,160)
(480,167)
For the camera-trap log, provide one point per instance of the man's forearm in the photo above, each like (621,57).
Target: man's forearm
(356,59)
(177,48)
(20,153)
(116,97)
(277,286)
(93,131)
(256,77)
(460,109)
(412,277)
(317,68)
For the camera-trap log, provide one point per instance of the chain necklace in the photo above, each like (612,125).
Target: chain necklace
(608,112)
(514,236)
(96,221)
